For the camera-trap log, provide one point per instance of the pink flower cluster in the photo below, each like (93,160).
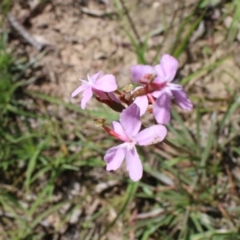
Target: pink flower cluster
(154,95)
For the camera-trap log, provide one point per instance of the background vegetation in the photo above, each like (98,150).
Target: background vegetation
(53,183)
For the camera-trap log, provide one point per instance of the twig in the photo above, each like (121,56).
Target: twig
(23,32)
(233,189)
(151,214)
(224,212)
(95,13)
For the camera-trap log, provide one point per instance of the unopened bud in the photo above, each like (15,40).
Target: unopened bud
(128,88)
(150,109)
(99,122)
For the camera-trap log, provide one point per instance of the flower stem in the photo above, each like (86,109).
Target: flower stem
(131,22)
(185,151)
(177,148)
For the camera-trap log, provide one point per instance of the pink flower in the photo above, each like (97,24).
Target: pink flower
(141,101)
(158,81)
(166,72)
(142,74)
(127,130)
(98,84)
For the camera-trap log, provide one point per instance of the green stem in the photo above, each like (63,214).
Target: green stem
(132,188)
(180,149)
(185,151)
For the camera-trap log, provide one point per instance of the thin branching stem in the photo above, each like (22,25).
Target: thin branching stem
(130,20)
(177,147)
(185,151)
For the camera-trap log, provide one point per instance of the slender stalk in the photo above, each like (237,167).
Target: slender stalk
(132,188)
(185,151)
(177,148)
(184,232)
(130,21)
(156,57)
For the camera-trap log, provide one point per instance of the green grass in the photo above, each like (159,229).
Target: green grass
(188,192)
(28,153)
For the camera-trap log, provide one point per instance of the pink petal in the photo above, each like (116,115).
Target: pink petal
(134,165)
(157,94)
(169,66)
(161,76)
(130,120)
(151,135)
(78,90)
(117,127)
(113,97)
(142,103)
(182,100)
(97,75)
(106,83)
(106,96)
(162,109)
(114,157)
(87,94)
(174,86)
(139,71)
(102,95)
